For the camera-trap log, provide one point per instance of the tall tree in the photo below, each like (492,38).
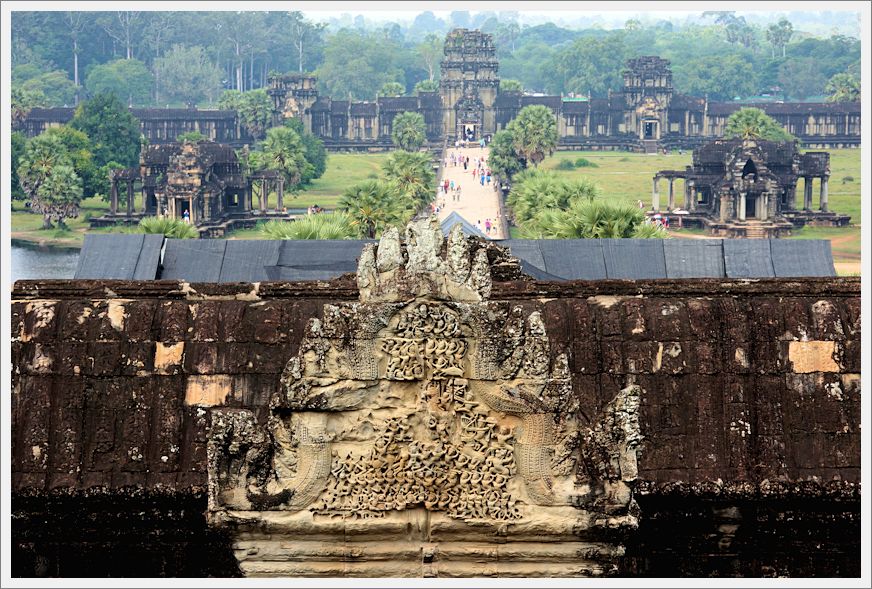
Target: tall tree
(503,159)
(124,27)
(357,65)
(374,205)
(426,86)
(127,78)
(392,89)
(409,131)
(779,34)
(188,74)
(802,77)
(114,132)
(282,150)
(753,123)
(412,174)
(75,23)
(304,35)
(18,145)
(843,88)
(430,50)
(534,133)
(48,180)
(23,101)
(510,85)
(591,64)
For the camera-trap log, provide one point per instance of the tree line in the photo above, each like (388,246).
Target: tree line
(190,58)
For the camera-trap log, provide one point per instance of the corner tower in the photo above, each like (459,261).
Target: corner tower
(469,84)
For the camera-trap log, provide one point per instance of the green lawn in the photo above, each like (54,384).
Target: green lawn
(343,170)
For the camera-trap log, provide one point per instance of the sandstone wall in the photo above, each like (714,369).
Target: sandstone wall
(752,388)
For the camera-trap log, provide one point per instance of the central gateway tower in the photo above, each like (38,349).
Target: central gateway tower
(469,84)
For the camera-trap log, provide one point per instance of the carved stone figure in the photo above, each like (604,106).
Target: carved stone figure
(421,429)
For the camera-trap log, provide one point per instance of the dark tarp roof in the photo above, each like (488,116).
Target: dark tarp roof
(119,257)
(694,258)
(135,257)
(453,219)
(315,260)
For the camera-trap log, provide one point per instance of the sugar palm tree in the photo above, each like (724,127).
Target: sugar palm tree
(753,123)
(322,226)
(412,174)
(409,131)
(534,132)
(374,205)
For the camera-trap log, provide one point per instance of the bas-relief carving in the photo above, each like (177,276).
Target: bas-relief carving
(425,403)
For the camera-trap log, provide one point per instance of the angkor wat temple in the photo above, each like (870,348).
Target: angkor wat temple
(646,114)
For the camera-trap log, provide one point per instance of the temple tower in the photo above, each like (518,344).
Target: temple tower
(469,84)
(648,92)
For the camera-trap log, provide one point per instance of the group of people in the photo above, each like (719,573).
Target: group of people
(312,210)
(448,186)
(488,226)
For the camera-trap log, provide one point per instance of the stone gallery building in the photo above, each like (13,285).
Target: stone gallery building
(748,188)
(644,115)
(202,182)
(436,412)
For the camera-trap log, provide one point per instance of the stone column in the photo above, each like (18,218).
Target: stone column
(686,195)
(280,191)
(763,205)
(807,196)
(129,198)
(671,195)
(263,187)
(692,198)
(191,211)
(742,204)
(113,203)
(655,196)
(825,194)
(792,196)
(725,206)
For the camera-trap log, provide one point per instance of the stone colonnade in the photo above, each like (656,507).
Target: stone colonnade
(689,193)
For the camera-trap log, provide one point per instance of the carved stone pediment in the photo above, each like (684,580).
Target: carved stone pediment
(426,430)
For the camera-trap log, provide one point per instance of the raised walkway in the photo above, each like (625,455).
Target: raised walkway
(477,203)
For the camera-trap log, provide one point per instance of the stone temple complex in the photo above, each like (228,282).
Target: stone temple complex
(646,114)
(748,188)
(440,413)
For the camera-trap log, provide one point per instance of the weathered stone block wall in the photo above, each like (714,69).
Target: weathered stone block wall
(751,394)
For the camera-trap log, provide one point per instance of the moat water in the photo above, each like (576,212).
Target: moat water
(33,262)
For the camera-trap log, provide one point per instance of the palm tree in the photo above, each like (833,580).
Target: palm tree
(48,180)
(753,123)
(374,205)
(409,131)
(283,151)
(322,226)
(534,132)
(175,228)
(843,87)
(412,174)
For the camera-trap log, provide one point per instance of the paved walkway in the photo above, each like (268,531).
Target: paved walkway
(477,203)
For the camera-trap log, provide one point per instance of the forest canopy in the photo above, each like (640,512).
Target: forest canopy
(182,58)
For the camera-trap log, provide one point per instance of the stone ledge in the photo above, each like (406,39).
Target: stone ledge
(344,288)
